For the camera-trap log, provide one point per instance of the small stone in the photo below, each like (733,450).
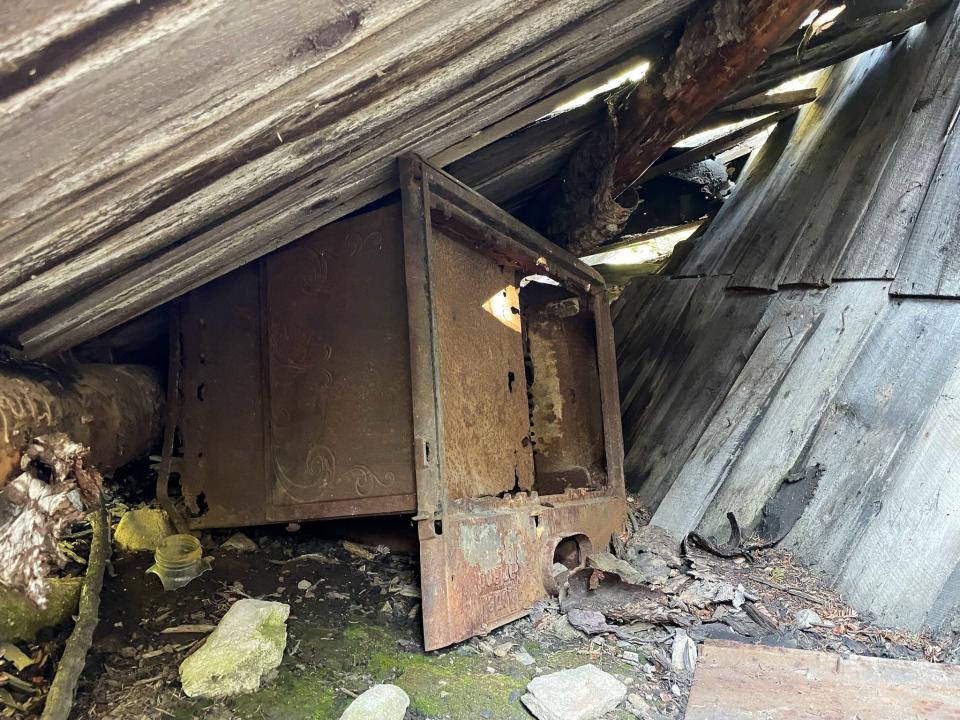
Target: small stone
(637,702)
(304,585)
(381,702)
(503,649)
(239,542)
(247,644)
(631,656)
(683,656)
(807,618)
(584,693)
(524,658)
(141,530)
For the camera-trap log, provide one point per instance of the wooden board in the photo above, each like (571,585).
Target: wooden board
(682,355)
(722,442)
(880,238)
(777,439)
(751,682)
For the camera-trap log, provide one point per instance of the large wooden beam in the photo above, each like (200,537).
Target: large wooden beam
(174,148)
(722,43)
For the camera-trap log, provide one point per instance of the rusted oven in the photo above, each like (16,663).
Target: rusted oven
(399,361)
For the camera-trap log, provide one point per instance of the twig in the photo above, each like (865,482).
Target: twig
(64,686)
(790,591)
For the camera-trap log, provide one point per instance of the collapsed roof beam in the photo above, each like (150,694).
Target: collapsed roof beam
(722,43)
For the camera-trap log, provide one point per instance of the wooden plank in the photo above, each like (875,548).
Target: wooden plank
(930,265)
(851,185)
(863,439)
(724,438)
(707,149)
(721,42)
(722,236)
(777,440)
(784,215)
(682,378)
(753,216)
(752,682)
(879,240)
(292,137)
(904,561)
(847,37)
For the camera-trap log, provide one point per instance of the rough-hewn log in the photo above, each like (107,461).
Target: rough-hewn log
(115,410)
(722,43)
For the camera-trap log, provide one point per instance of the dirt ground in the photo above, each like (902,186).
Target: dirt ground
(357,625)
(355,621)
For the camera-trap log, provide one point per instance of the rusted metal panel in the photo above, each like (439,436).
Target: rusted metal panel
(487,548)
(482,388)
(222,413)
(338,372)
(566,412)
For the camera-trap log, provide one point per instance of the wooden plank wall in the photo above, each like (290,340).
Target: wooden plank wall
(728,388)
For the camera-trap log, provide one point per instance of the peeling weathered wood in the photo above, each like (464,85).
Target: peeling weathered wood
(284,130)
(54,490)
(750,682)
(721,43)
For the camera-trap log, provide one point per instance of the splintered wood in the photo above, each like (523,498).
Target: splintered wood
(747,682)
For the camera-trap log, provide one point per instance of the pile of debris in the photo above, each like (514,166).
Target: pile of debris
(656,601)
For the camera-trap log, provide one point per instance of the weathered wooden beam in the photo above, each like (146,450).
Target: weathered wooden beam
(115,410)
(850,34)
(292,124)
(722,43)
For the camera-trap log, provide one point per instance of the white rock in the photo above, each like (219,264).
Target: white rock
(248,643)
(584,693)
(381,702)
(304,585)
(683,656)
(523,657)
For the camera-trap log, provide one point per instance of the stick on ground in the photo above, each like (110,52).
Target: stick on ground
(64,686)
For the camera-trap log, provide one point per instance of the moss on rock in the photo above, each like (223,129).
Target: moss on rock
(20,619)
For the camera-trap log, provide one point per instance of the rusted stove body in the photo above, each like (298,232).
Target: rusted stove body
(385,364)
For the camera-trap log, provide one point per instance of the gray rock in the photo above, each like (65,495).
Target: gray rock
(584,693)
(808,618)
(248,643)
(381,702)
(239,542)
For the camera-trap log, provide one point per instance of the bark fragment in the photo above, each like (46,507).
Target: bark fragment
(55,490)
